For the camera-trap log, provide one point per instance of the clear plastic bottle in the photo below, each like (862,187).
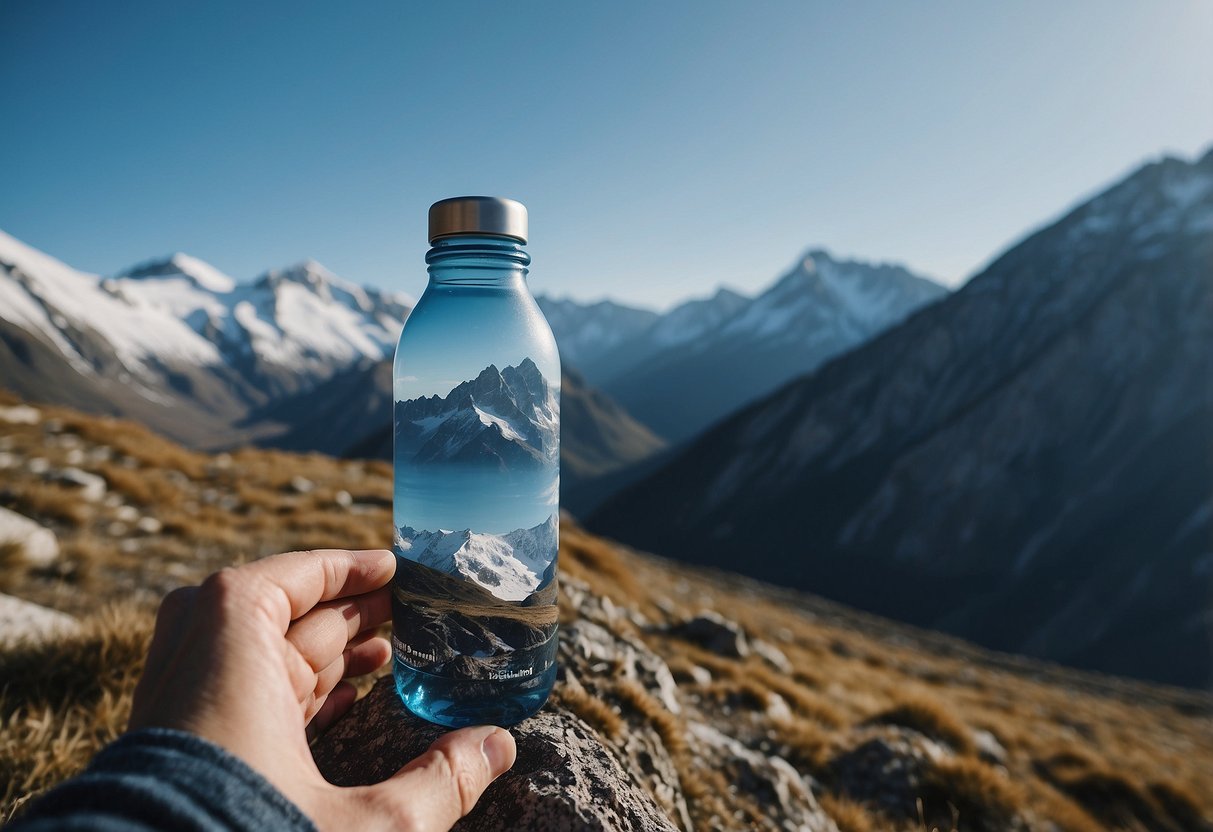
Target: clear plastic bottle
(477,477)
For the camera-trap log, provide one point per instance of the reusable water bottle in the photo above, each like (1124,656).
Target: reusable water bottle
(477,477)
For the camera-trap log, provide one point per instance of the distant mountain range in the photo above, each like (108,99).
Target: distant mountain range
(1027,463)
(508,417)
(179,345)
(510,566)
(681,371)
(297,358)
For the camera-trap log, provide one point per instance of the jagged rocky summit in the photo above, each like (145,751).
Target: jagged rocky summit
(510,416)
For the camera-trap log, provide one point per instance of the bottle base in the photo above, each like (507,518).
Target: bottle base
(456,703)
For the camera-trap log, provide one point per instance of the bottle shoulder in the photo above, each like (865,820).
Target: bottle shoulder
(469,328)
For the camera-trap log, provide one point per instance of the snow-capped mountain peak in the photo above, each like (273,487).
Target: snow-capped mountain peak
(509,418)
(169,322)
(197,272)
(511,566)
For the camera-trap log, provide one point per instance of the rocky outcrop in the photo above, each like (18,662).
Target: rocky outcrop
(564,778)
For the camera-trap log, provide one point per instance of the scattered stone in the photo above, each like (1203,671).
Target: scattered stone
(54,426)
(301,485)
(24,622)
(112,500)
(712,631)
(74,456)
(989,748)
(7,460)
(149,525)
(564,778)
(343,499)
(20,414)
(38,545)
(127,514)
(116,529)
(101,453)
(38,465)
(700,675)
(91,486)
(772,655)
(768,780)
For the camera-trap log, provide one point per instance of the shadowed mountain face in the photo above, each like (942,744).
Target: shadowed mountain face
(1028,463)
(708,357)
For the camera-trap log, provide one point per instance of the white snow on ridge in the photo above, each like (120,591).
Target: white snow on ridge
(507,430)
(137,333)
(183,311)
(510,566)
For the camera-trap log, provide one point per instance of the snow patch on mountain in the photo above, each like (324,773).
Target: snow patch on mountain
(181,312)
(510,566)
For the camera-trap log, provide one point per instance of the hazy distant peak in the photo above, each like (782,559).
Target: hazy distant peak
(199,272)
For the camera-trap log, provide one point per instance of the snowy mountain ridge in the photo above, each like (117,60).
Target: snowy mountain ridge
(511,566)
(508,417)
(182,310)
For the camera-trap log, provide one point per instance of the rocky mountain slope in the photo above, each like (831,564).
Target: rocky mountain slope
(1026,463)
(179,345)
(707,357)
(688,699)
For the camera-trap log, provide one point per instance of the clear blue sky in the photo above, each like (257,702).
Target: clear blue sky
(663,148)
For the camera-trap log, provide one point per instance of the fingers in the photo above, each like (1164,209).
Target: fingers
(323,634)
(358,660)
(304,579)
(334,706)
(438,788)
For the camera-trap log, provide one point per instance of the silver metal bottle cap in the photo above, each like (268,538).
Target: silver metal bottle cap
(490,215)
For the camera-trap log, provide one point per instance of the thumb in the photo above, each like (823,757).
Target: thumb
(443,784)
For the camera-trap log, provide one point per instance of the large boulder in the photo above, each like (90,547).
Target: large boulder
(564,778)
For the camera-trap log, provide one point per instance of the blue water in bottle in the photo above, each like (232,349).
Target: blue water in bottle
(477,477)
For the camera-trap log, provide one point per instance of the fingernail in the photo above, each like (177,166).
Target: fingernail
(498,748)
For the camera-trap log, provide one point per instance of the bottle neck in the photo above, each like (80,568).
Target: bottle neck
(477,260)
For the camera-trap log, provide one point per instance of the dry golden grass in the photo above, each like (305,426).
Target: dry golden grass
(929,718)
(1083,752)
(598,714)
(50,501)
(847,814)
(61,702)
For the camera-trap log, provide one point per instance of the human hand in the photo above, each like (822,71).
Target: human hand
(255,659)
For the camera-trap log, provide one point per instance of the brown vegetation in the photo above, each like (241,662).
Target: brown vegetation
(1078,752)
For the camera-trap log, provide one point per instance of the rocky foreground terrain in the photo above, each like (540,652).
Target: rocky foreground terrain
(688,699)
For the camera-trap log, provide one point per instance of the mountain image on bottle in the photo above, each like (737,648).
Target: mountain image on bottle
(476,464)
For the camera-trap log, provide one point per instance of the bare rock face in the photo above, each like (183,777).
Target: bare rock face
(564,778)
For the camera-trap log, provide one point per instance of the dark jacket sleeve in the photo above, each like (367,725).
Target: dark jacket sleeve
(157,779)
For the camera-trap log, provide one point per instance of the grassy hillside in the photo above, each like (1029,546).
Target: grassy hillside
(998,742)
